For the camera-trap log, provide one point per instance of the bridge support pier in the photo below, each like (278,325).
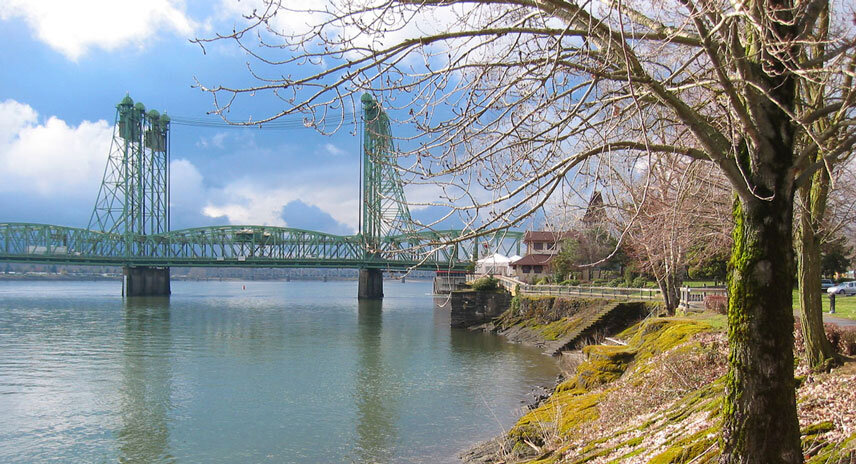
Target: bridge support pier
(145,281)
(371,284)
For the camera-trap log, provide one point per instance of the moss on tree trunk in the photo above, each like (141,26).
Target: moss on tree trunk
(818,350)
(813,197)
(760,409)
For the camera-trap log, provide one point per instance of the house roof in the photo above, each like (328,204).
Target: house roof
(533,260)
(595,212)
(544,236)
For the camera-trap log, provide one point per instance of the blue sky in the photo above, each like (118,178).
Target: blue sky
(67,64)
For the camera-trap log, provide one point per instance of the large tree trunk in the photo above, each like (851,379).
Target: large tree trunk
(761,424)
(818,351)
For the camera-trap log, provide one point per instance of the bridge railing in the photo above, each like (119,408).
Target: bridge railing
(514,286)
(594,292)
(700,298)
(692,298)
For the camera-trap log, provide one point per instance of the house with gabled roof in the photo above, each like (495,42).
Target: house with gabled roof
(541,247)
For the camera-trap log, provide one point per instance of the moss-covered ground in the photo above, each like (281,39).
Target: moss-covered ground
(658,399)
(555,318)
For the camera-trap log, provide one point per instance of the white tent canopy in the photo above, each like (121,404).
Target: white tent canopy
(496,264)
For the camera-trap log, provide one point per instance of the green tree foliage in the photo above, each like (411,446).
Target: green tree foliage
(711,267)
(835,257)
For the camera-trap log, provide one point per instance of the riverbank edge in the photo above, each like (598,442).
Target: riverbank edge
(537,321)
(678,429)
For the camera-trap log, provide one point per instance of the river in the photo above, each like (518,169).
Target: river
(277,372)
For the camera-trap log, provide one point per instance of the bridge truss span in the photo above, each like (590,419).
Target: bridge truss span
(130,224)
(242,246)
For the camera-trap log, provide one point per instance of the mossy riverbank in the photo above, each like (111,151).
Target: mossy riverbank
(558,324)
(657,399)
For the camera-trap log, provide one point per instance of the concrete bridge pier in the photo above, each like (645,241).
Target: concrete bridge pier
(145,281)
(371,284)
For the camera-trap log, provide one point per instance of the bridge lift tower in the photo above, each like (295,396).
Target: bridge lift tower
(133,201)
(384,209)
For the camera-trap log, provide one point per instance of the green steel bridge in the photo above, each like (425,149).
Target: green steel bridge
(129,225)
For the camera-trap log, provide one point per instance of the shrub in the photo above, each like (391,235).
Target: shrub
(638,282)
(615,282)
(847,343)
(628,277)
(485,284)
(515,304)
(543,281)
(716,303)
(842,339)
(571,282)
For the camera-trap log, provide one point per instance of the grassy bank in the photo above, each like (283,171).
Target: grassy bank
(657,399)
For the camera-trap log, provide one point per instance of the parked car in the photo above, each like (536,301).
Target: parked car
(844,288)
(826,283)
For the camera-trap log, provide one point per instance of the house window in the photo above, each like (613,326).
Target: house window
(538,245)
(539,269)
(527,269)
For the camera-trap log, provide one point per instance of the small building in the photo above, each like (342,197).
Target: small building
(532,268)
(541,247)
(544,242)
(496,264)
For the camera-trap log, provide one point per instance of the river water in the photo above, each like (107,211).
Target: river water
(278,372)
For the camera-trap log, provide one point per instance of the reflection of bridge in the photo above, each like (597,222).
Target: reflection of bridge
(129,225)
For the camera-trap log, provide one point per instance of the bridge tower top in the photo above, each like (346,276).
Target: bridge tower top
(384,208)
(134,194)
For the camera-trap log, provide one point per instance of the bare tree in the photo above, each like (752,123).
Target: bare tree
(683,206)
(813,195)
(508,99)
(826,207)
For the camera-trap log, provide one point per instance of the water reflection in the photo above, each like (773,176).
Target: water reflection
(294,372)
(376,398)
(146,388)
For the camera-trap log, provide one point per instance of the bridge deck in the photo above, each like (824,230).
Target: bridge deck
(238,246)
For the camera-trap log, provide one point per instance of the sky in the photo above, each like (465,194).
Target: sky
(65,66)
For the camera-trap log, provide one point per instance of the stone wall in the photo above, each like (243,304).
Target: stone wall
(444,284)
(473,307)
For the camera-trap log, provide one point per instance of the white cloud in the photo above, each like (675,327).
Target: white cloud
(334,150)
(74,27)
(301,18)
(51,158)
(248,202)
(217,141)
(55,160)
(186,187)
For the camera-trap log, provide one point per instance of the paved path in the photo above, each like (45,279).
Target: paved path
(840,321)
(833,319)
